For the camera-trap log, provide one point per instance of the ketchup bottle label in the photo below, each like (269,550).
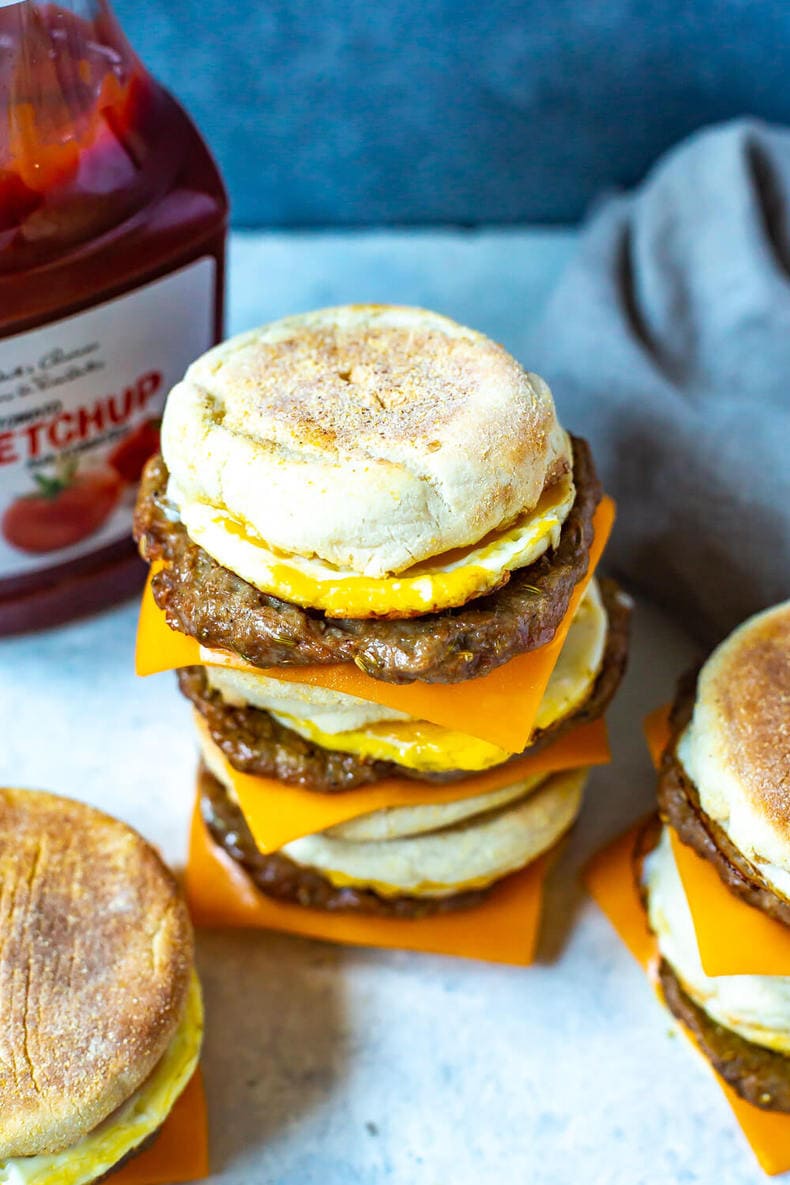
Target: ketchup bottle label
(80,405)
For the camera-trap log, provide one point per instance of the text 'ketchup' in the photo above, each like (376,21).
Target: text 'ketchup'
(112,234)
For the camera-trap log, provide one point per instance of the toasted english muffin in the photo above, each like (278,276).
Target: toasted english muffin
(322,455)
(736,749)
(96,974)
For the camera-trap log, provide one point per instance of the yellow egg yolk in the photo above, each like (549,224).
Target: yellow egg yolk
(442,582)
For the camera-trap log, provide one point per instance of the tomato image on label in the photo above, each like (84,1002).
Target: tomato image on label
(129,457)
(62,510)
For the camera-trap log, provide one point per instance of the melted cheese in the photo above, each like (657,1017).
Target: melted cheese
(129,1125)
(442,582)
(579,661)
(415,744)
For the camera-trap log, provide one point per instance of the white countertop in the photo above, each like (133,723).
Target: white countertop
(335,1066)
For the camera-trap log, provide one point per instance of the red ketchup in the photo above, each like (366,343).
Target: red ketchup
(113,220)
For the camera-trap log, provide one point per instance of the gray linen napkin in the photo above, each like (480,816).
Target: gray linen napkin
(667,344)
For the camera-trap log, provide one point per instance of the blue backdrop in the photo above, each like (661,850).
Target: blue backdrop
(324,112)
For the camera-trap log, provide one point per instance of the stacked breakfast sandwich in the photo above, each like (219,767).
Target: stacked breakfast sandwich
(101,1018)
(724,839)
(364,518)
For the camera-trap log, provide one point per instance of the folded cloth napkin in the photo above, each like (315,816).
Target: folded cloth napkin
(667,343)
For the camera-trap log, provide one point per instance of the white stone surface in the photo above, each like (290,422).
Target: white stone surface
(336,1066)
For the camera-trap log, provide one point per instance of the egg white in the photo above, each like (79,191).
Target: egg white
(330,711)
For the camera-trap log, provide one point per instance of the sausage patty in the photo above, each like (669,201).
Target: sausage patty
(759,1075)
(255,743)
(222,611)
(679,803)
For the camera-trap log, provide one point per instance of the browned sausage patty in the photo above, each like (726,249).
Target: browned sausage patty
(222,611)
(679,804)
(759,1075)
(277,876)
(255,743)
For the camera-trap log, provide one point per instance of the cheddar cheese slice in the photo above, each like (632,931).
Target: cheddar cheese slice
(733,938)
(502,929)
(500,707)
(277,813)
(180,1151)
(609,879)
(767,1132)
(657,732)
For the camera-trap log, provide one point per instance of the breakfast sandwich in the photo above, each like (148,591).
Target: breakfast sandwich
(100,1009)
(724,792)
(381,489)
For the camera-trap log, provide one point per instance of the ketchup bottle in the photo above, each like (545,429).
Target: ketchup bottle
(113,220)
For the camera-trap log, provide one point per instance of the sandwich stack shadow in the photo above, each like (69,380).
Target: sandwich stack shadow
(373,549)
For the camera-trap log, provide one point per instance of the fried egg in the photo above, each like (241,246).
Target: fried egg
(128,1126)
(346,724)
(442,582)
(756,1007)
(330,711)
(417,744)
(470,854)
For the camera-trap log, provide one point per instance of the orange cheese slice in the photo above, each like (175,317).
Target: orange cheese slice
(500,707)
(502,929)
(180,1151)
(733,938)
(657,732)
(768,1132)
(609,879)
(276,813)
